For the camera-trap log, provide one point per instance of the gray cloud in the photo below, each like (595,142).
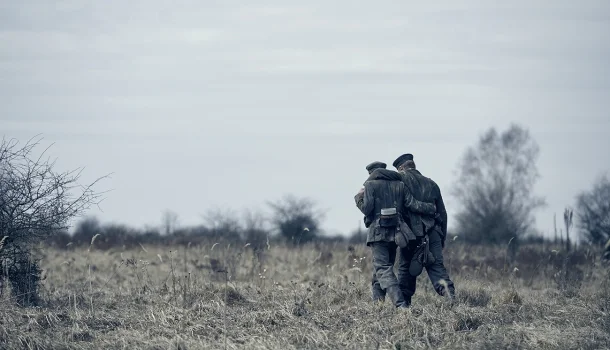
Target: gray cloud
(179,99)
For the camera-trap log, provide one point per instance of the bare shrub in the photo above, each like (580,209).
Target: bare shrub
(297,220)
(36,202)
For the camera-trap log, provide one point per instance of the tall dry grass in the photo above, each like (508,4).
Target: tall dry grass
(221,296)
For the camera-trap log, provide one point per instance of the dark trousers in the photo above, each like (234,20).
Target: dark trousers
(437,273)
(378,292)
(384,257)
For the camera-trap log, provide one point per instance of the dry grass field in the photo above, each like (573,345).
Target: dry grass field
(219,296)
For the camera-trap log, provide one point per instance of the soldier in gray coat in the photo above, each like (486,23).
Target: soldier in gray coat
(378,292)
(606,254)
(435,228)
(385,203)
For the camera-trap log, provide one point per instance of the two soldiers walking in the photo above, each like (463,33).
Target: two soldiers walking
(404,211)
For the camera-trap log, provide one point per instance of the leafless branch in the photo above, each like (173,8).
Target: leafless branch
(35,199)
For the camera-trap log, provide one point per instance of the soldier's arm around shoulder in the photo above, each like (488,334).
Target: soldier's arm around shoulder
(385,174)
(368,201)
(359,199)
(416,206)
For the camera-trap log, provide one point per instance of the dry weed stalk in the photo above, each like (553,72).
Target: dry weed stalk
(89,270)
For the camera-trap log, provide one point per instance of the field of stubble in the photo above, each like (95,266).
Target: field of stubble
(216,297)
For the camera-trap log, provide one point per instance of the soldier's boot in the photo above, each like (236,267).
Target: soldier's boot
(378,295)
(378,292)
(396,295)
(448,292)
(407,300)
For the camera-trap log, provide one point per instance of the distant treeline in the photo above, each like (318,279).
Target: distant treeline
(112,235)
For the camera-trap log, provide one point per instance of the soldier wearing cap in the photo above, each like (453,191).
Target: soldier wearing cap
(434,228)
(378,292)
(384,203)
(360,196)
(375,165)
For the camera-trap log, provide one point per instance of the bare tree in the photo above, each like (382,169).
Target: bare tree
(254,231)
(297,220)
(169,221)
(593,212)
(85,229)
(495,187)
(35,202)
(223,224)
(256,236)
(253,219)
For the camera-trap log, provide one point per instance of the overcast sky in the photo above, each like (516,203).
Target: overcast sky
(196,105)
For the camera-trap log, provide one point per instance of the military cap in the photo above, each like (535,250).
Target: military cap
(375,165)
(400,160)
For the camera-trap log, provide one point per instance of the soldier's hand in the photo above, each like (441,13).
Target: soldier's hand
(437,218)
